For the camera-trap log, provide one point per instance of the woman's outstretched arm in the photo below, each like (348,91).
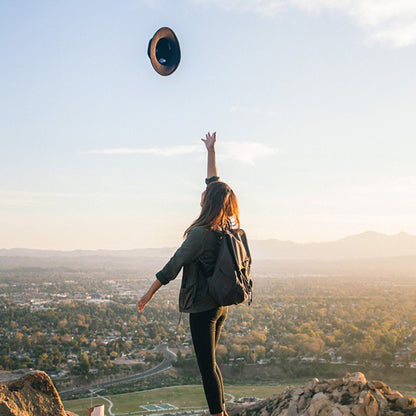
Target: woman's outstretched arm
(190,249)
(209,141)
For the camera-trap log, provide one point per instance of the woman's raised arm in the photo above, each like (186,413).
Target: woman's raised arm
(209,141)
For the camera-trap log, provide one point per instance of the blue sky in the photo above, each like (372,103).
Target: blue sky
(313,104)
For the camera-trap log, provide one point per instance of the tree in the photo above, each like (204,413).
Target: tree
(84,364)
(43,362)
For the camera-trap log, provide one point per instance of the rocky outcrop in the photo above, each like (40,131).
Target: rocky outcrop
(29,393)
(351,395)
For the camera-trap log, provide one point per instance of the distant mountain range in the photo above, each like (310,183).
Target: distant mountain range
(365,245)
(369,244)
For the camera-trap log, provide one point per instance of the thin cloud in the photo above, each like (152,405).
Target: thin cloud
(261,7)
(244,152)
(392,22)
(256,110)
(387,21)
(159,151)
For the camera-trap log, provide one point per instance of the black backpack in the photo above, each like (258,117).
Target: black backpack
(230,284)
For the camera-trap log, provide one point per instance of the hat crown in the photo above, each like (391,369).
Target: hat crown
(164,51)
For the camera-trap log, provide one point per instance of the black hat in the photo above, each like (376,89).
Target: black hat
(164,51)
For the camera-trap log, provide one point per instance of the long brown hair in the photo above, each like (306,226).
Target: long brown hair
(219,208)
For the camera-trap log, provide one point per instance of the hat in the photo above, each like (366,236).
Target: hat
(164,51)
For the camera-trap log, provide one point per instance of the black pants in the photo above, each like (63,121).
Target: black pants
(205,330)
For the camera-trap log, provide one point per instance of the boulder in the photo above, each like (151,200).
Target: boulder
(370,404)
(378,384)
(318,403)
(355,378)
(29,393)
(393,396)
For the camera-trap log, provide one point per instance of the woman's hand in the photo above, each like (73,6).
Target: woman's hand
(144,300)
(210,140)
(156,285)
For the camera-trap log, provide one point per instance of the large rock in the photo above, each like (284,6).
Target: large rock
(29,393)
(351,395)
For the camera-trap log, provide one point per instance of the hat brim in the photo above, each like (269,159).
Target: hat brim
(168,34)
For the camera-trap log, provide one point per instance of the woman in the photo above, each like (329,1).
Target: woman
(197,255)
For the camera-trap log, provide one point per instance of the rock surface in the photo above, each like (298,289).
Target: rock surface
(351,395)
(29,393)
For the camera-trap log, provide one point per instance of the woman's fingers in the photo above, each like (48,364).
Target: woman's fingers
(210,139)
(141,304)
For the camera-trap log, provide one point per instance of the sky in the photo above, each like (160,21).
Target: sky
(313,102)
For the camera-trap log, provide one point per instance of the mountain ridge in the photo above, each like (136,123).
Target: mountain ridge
(368,244)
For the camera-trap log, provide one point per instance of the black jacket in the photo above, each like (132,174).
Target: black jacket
(197,255)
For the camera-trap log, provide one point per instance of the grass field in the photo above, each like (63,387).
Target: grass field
(183,397)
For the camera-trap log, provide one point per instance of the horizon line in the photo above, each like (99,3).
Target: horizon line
(253,239)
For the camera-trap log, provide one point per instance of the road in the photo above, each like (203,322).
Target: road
(168,355)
